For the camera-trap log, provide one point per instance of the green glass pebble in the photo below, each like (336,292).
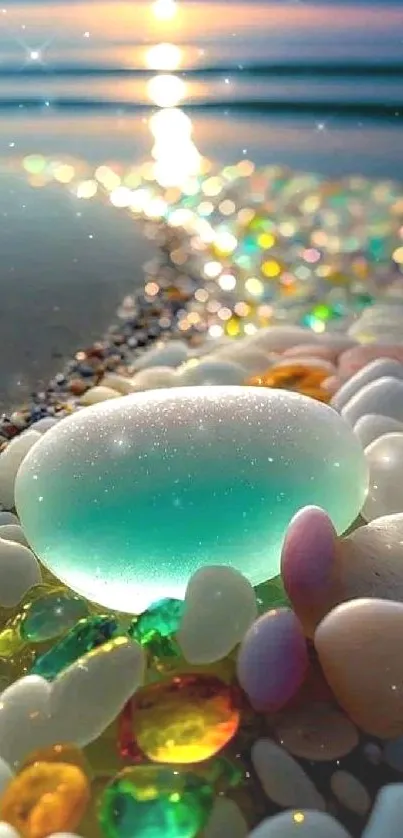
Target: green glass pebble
(151,801)
(271,594)
(52,615)
(125,500)
(88,634)
(156,627)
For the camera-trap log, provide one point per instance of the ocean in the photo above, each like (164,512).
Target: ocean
(312,85)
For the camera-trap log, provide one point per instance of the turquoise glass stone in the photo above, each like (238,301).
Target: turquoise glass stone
(124,500)
(156,627)
(52,615)
(88,634)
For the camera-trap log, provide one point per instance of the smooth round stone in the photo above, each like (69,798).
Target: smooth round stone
(311,363)
(7,518)
(350,792)
(282,778)
(98,394)
(313,350)
(220,606)
(300,824)
(7,831)
(169,354)
(148,801)
(24,718)
(252,361)
(317,731)
(387,815)
(47,617)
(272,659)
(10,461)
(225,819)
(380,368)
(279,338)
(219,471)
(122,385)
(19,571)
(385,395)
(307,564)
(13,532)
(373,425)
(45,424)
(385,493)
(6,775)
(359,649)
(352,360)
(210,372)
(153,378)
(88,695)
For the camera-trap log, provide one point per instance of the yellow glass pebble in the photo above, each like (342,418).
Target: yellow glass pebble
(68,754)
(44,798)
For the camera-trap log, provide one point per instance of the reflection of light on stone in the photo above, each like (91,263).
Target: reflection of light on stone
(165,9)
(163,57)
(166,91)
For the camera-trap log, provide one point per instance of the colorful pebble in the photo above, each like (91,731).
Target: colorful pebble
(299,824)
(282,778)
(385,493)
(318,731)
(19,571)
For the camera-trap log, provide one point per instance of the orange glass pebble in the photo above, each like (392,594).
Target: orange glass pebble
(69,754)
(186,719)
(299,377)
(45,798)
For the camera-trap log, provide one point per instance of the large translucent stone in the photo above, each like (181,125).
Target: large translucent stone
(124,500)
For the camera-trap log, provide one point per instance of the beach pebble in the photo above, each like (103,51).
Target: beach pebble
(272,659)
(385,396)
(10,461)
(318,731)
(19,571)
(350,792)
(359,649)
(13,532)
(373,425)
(252,361)
(45,424)
(8,518)
(282,778)
(279,338)
(232,465)
(209,372)
(357,357)
(154,378)
(387,815)
(339,341)
(312,350)
(310,362)
(88,695)
(220,606)
(6,774)
(300,824)
(308,565)
(225,819)
(8,831)
(119,383)
(385,493)
(98,394)
(25,723)
(380,368)
(170,354)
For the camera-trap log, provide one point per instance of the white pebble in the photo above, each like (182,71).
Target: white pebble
(385,396)
(373,425)
(226,819)
(302,824)
(45,424)
(19,571)
(385,493)
(154,378)
(387,815)
(24,718)
(379,368)
(10,461)
(117,382)
(98,394)
(8,831)
(282,778)
(169,354)
(350,792)
(88,695)
(13,532)
(6,774)
(279,338)
(252,361)
(220,607)
(208,372)
(8,518)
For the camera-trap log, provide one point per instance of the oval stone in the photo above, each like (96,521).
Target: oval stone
(385,494)
(304,824)
(124,501)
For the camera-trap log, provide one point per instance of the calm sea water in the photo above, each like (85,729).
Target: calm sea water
(314,85)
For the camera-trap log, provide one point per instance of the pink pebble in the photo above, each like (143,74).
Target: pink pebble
(307,562)
(328,353)
(354,359)
(332,384)
(273,660)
